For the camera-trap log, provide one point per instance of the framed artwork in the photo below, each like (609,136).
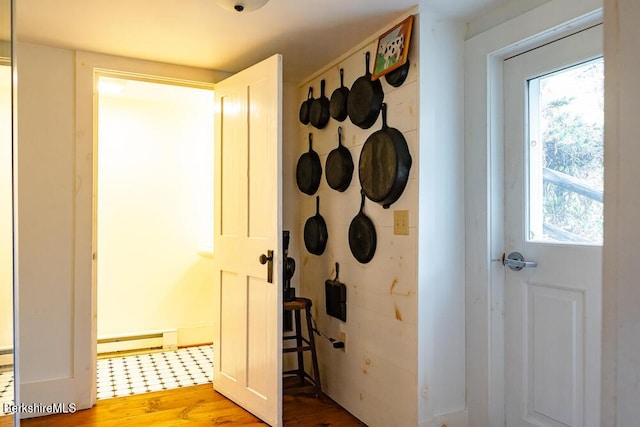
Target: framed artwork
(393,48)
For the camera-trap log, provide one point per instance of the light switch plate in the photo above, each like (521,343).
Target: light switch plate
(401,223)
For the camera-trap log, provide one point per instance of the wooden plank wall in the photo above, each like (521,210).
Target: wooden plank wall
(376,377)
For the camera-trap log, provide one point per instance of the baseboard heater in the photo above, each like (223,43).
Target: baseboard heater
(141,341)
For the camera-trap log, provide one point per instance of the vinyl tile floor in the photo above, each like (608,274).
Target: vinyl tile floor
(6,387)
(143,373)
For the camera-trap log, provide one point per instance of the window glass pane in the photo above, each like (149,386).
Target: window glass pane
(566,125)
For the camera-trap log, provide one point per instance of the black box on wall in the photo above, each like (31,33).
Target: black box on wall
(336,299)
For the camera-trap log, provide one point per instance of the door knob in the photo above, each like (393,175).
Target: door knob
(268,259)
(515,261)
(265,258)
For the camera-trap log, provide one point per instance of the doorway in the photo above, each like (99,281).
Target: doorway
(153,227)
(553,216)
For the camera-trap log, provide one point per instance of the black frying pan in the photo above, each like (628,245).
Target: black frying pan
(315,232)
(338,102)
(304,108)
(365,99)
(319,111)
(362,236)
(309,170)
(384,164)
(339,166)
(396,77)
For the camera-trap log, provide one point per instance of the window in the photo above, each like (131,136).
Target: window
(566,126)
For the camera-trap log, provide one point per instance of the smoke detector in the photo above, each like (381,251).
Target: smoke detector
(241,5)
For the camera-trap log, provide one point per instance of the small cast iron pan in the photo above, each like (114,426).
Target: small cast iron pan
(338,103)
(315,232)
(339,166)
(304,108)
(362,236)
(396,77)
(319,110)
(309,170)
(365,99)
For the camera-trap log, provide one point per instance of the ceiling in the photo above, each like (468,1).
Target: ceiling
(199,33)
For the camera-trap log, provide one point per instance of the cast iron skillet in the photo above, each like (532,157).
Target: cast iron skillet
(304,108)
(338,103)
(362,236)
(319,110)
(315,232)
(309,170)
(384,164)
(365,99)
(396,77)
(339,166)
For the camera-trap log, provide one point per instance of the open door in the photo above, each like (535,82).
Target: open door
(248,240)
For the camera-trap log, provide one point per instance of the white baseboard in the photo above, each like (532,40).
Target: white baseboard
(134,341)
(454,419)
(169,339)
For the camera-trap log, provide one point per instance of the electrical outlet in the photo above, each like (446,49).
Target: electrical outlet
(401,223)
(342,336)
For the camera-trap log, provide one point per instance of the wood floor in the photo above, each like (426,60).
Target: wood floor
(193,406)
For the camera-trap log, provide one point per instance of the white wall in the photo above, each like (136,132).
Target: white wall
(155,196)
(6,233)
(46,188)
(503,12)
(621,290)
(404,359)
(441,275)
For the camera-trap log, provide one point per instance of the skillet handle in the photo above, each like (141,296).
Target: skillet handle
(341,77)
(310,141)
(383,112)
(317,205)
(339,136)
(337,272)
(367,58)
(362,201)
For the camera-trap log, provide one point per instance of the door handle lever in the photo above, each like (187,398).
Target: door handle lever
(268,259)
(515,261)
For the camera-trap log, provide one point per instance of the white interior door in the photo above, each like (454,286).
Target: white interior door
(553,216)
(248,224)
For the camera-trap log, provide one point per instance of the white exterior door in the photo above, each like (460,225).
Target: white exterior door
(553,216)
(248,224)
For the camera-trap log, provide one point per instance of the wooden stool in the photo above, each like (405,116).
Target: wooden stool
(296,305)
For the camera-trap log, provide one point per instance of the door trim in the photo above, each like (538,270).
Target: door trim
(484,213)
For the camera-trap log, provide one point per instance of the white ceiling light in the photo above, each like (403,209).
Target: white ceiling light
(241,5)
